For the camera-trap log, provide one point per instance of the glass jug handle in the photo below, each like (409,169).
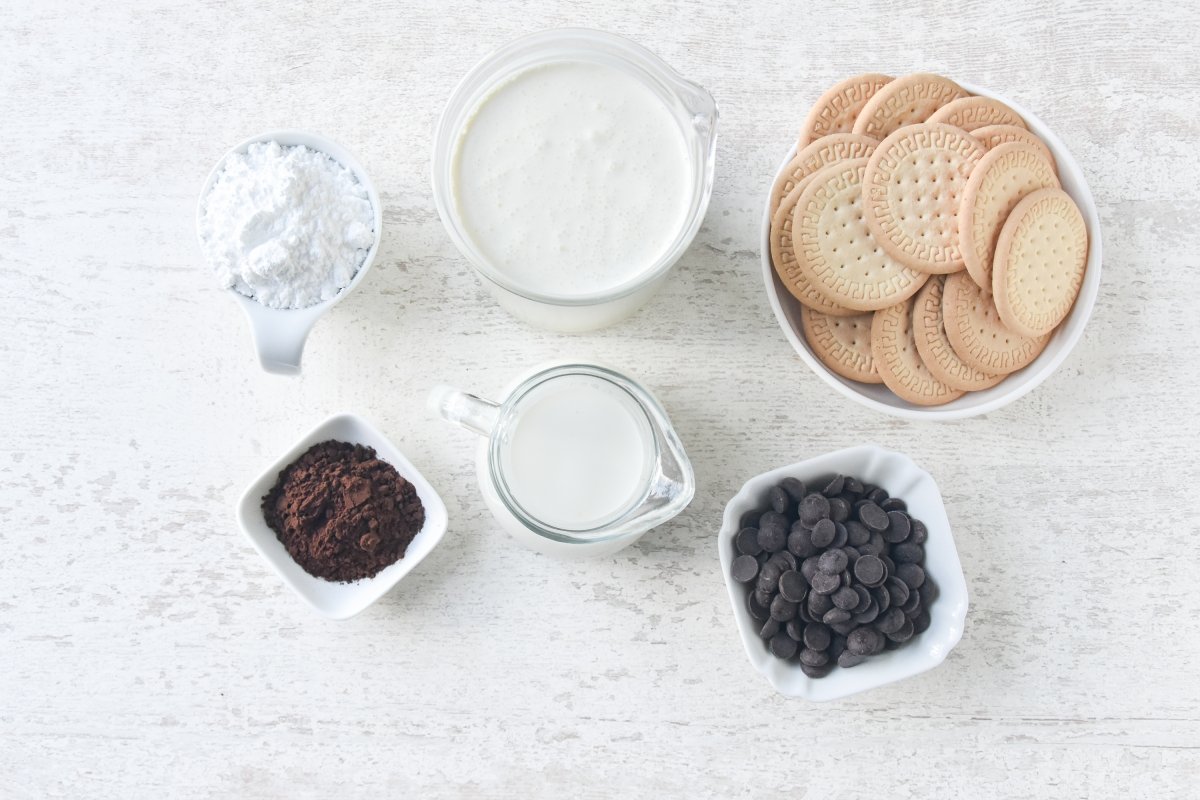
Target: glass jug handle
(465,410)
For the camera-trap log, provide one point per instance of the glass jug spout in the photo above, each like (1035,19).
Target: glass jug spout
(465,410)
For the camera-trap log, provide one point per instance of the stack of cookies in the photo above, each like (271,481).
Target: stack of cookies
(925,233)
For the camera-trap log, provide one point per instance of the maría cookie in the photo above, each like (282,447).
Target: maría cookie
(841,343)
(912,190)
(905,101)
(894,349)
(929,331)
(976,333)
(836,253)
(837,109)
(970,113)
(993,135)
(1040,258)
(783,258)
(1002,177)
(828,150)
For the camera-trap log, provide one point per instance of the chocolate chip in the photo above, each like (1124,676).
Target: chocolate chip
(912,575)
(875,546)
(757,610)
(837,616)
(818,604)
(851,553)
(795,628)
(871,515)
(808,568)
(794,488)
(768,575)
(882,597)
(763,595)
(792,586)
(744,569)
(837,646)
(824,583)
(919,532)
(864,599)
(898,527)
(778,500)
(877,495)
(813,508)
(904,633)
(840,535)
(815,672)
(813,658)
(846,598)
(785,560)
(869,569)
(908,553)
(799,542)
(746,541)
(839,509)
(832,561)
(769,628)
(921,622)
(750,519)
(913,605)
(783,646)
(894,504)
(823,533)
(861,641)
(816,636)
(853,486)
(848,659)
(898,590)
(782,609)
(772,532)
(834,487)
(868,616)
(857,533)
(890,621)
(802,613)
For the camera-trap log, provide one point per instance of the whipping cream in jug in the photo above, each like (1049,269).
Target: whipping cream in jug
(572,177)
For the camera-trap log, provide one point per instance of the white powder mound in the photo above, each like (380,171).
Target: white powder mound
(286,225)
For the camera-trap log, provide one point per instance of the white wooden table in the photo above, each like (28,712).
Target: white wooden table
(147,651)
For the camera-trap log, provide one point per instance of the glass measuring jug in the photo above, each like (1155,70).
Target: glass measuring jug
(578,461)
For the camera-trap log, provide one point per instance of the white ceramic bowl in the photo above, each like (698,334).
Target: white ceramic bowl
(279,333)
(879,397)
(341,600)
(902,478)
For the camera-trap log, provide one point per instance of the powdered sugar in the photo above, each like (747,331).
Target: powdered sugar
(286,225)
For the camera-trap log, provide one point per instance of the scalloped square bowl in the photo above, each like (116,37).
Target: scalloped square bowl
(1064,338)
(332,599)
(901,477)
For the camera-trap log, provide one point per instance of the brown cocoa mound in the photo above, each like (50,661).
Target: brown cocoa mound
(343,513)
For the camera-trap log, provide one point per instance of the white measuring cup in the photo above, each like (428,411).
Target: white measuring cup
(279,334)
(661,485)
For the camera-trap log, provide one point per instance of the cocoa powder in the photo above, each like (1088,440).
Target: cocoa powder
(342,513)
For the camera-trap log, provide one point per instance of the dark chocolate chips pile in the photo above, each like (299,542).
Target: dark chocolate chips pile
(835,575)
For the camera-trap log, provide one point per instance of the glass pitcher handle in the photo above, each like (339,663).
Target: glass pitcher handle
(465,410)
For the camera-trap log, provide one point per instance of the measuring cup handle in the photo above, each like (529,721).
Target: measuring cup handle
(465,410)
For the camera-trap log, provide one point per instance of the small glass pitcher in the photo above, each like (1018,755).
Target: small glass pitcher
(663,488)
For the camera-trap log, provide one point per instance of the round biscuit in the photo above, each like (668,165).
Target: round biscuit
(929,330)
(993,135)
(898,361)
(828,150)
(912,191)
(1002,177)
(1041,255)
(836,252)
(841,343)
(783,258)
(970,113)
(836,110)
(905,101)
(976,333)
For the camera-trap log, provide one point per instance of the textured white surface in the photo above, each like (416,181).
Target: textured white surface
(146,650)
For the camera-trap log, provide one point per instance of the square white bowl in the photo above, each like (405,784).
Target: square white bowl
(902,478)
(1014,386)
(332,599)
